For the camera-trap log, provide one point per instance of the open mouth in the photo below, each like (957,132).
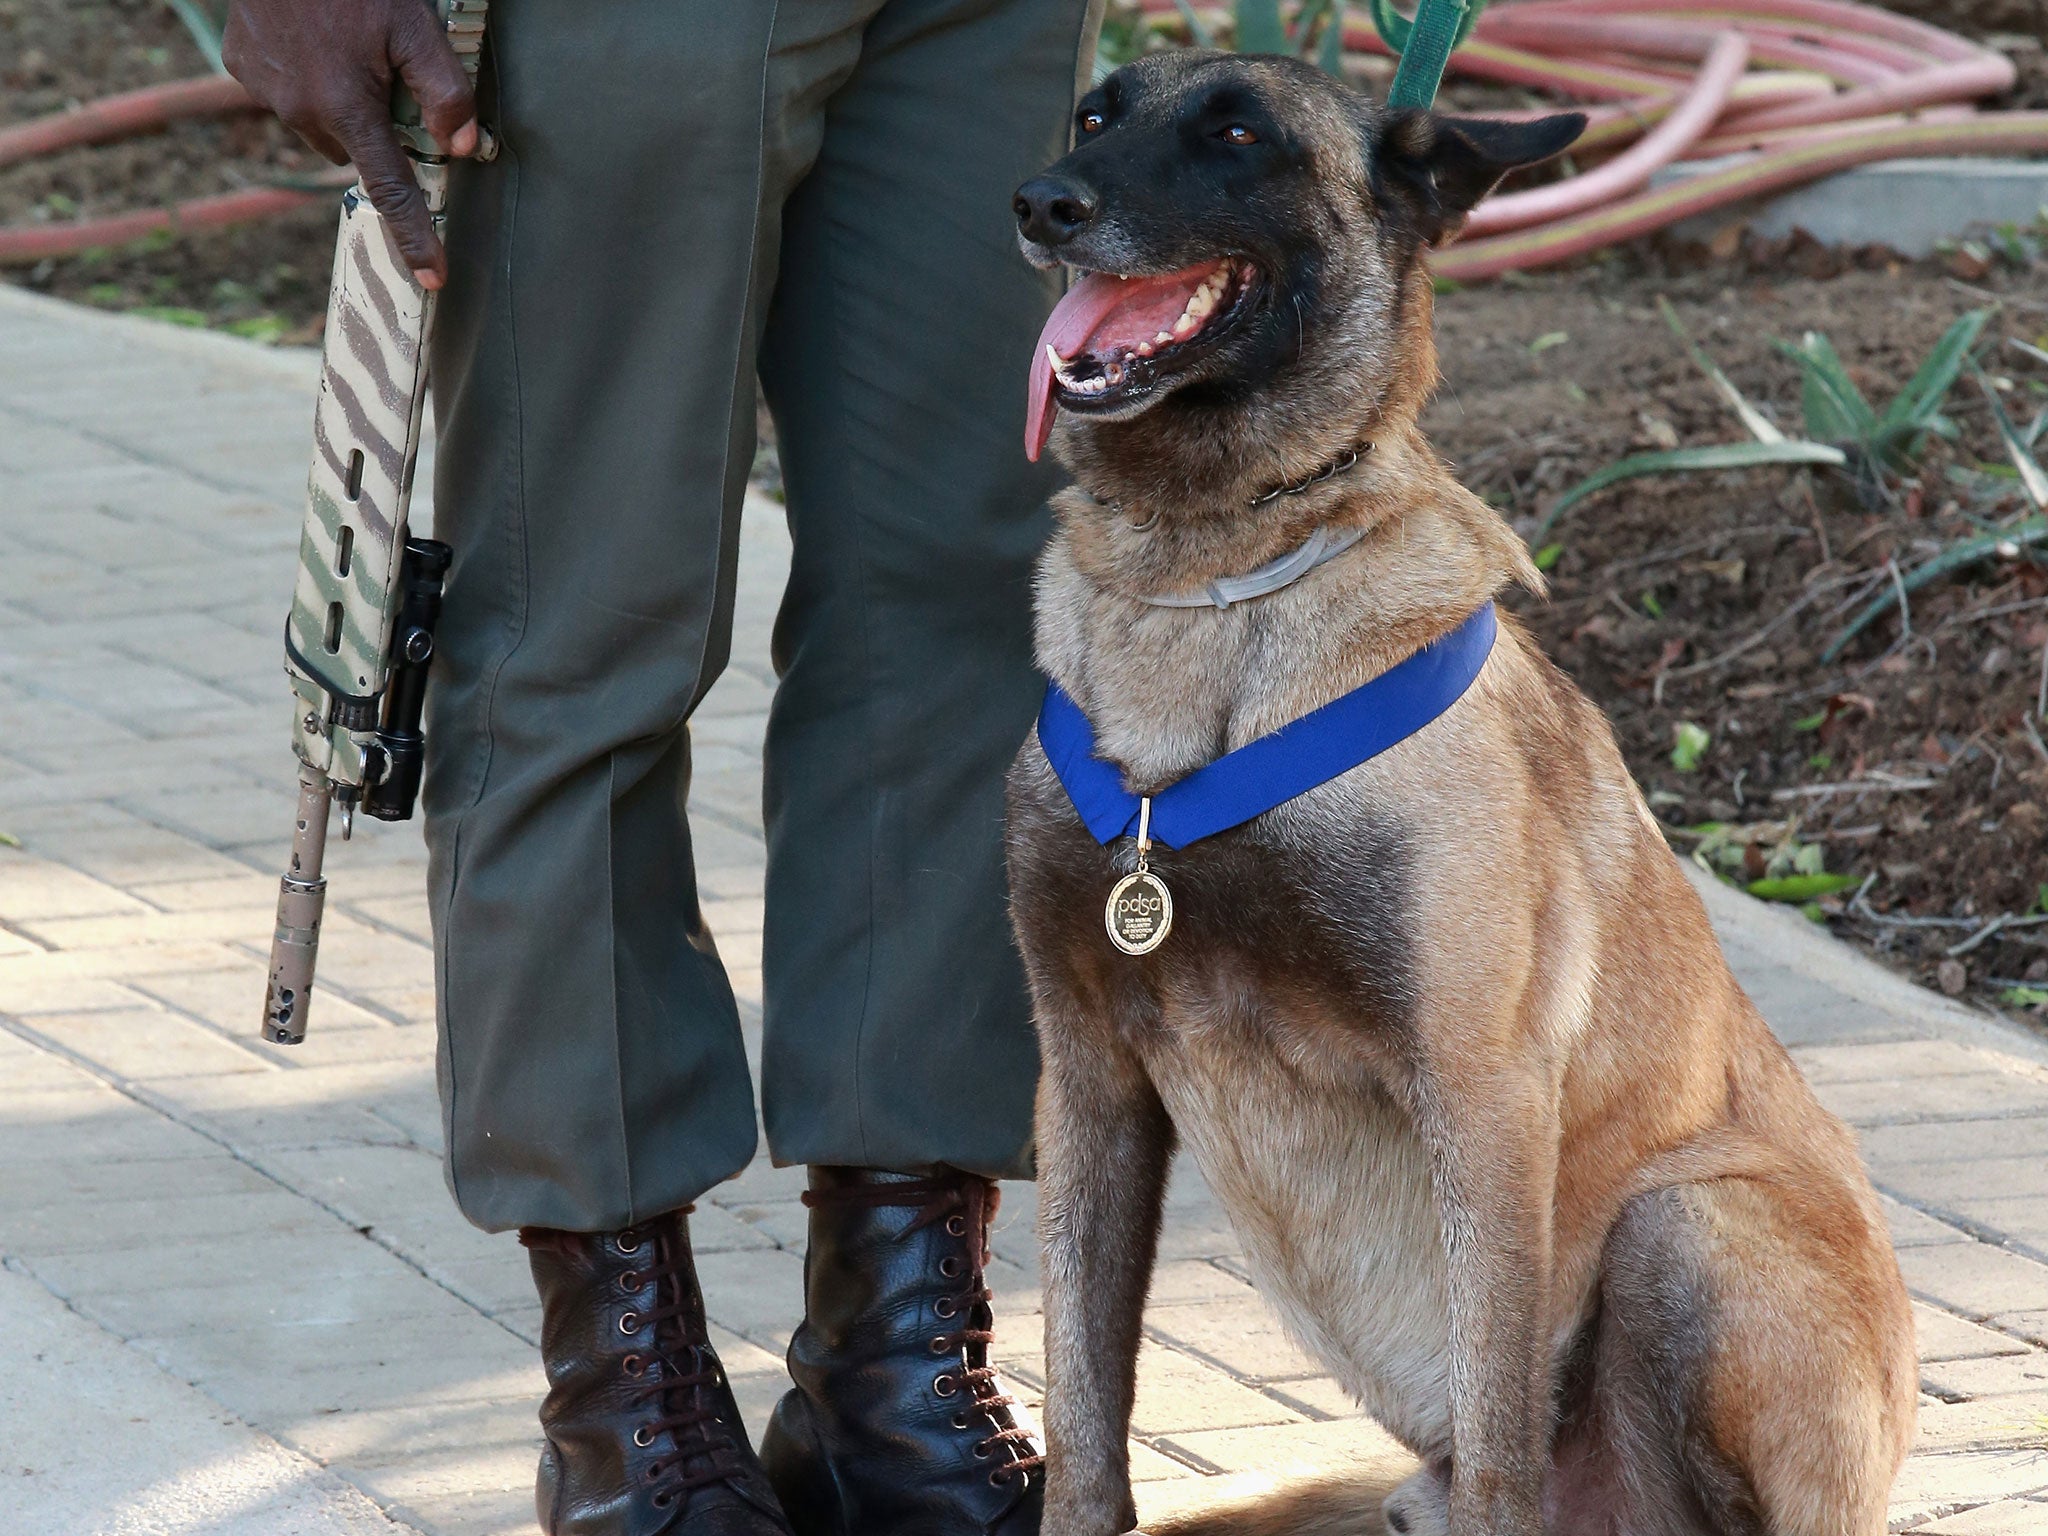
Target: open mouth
(1114,339)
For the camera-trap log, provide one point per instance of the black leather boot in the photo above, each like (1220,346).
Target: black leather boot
(642,1435)
(898,1425)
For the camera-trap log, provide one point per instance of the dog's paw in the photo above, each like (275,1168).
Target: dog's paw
(1419,1507)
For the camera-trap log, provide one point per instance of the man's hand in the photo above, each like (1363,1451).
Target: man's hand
(326,68)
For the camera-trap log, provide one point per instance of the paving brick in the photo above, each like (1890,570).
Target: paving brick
(2030,1324)
(1974,1279)
(1912,1228)
(396,1433)
(1885,1061)
(1989,1423)
(314,1107)
(91,1182)
(476,1491)
(32,888)
(142,1044)
(1246,1341)
(266,1374)
(1997,1376)
(1944,1336)
(1960,1096)
(1178,1395)
(303,1258)
(1934,1487)
(68,1124)
(231,999)
(2007,1517)
(757,1294)
(1284,1452)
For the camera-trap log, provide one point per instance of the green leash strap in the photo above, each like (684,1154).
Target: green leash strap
(1424,44)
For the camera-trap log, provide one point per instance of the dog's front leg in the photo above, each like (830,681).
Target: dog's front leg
(1104,1143)
(1492,1132)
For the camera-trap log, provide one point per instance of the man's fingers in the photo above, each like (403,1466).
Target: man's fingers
(394,192)
(434,75)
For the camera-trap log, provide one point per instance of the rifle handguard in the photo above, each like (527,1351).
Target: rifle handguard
(360,634)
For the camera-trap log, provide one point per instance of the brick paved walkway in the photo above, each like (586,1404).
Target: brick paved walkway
(270,1227)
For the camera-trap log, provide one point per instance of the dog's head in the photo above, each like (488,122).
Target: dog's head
(1245,230)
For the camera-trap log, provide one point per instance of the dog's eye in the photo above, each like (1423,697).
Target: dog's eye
(1238,134)
(1091,122)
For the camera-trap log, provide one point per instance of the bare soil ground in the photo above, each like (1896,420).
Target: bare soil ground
(1913,763)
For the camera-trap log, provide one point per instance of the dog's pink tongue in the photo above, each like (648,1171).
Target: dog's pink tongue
(1102,313)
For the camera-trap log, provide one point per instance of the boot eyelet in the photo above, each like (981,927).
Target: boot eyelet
(634,1366)
(629,1281)
(951,1268)
(981,1450)
(944,1307)
(961,1421)
(945,1386)
(938,1346)
(663,1499)
(956,1226)
(629,1322)
(628,1249)
(999,1477)
(643,1437)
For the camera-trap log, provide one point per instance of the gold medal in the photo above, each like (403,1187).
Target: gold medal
(1140,911)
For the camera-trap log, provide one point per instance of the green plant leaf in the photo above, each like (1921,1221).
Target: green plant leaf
(1707,456)
(1959,554)
(1810,722)
(1547,340)
(1259,27)
(1651,603)
(9,840)
(1394,28)
(1330,51)
(1834,407)
(2024,997)
(1548,556)
(1689,743)
(205,28)
(1918,405)
(1759,427)
(1197,29)
(2033,478)
(1799,888)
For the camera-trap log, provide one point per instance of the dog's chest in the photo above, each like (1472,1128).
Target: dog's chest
(1267,1021)
(1328,1189)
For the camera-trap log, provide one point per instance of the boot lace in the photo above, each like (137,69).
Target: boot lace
(678,1376)
(967,1206)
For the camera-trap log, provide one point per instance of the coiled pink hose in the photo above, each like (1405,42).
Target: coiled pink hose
(1805,88)
(1808,87)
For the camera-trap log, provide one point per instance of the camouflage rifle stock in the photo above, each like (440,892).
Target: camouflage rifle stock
(361,629)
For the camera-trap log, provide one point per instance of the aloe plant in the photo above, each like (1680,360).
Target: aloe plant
(1843,429)
(1308,29)
(205,27)
(2020,534)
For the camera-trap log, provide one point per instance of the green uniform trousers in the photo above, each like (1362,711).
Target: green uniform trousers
(691,191)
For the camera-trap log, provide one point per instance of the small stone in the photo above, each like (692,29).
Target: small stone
(1952,976)
(2037,970)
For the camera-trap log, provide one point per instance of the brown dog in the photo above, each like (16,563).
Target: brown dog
(1449,1035)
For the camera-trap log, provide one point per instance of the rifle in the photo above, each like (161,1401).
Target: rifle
(360,634)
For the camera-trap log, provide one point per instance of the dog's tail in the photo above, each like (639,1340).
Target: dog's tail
(1335,1506)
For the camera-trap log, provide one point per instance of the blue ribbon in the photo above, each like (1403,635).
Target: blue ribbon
(1277,767)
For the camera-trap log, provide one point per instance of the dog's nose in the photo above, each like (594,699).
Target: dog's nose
(1051,210)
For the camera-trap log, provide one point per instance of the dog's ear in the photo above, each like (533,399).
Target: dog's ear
(1435,168)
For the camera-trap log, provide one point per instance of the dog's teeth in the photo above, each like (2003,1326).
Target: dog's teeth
(1162,338)
(1185,324)
(1144,349)
(1114,373)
